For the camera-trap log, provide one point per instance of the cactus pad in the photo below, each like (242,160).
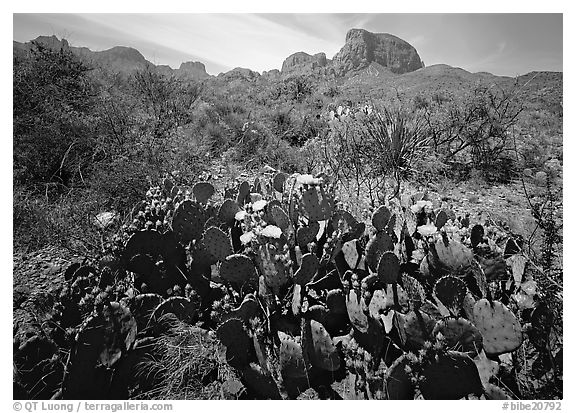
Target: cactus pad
(451,292)
(142,242)
(336,301)
(279,180)
(291,359)
(414,328)
(517,263)
(280,218)
(355,312)
(350,251)
(388,268)
(486,368)
(493,392)
(476,235)
(142,307)
(217,243)
(450,377)
(307,234)
(377,246)
(319,347)
(414,291)
(260,383)
(184,309)
(238,269)
(454,255)
(227,211)
(317,209)
(397,382)
(237,342)
(441,219)
(500,328)
(188,221)
(460,334)
(203,191)
(271,268)
(243,193)
(307,270)
(380,218)
(248,309)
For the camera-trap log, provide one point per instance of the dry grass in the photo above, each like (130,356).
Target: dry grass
(187,364)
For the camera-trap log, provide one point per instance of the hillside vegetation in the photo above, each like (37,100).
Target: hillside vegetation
(309,233)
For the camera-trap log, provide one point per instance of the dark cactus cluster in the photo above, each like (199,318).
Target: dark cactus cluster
(416,303)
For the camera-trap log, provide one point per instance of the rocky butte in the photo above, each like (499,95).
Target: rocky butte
(363,47)
(362,50)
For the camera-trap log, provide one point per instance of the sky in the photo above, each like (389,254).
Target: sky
(502,44)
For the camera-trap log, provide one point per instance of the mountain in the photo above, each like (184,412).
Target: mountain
(117,59)
(373,64)
(304,62)
(363,47)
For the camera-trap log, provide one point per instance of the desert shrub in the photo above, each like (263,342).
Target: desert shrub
(476,130)
(296,88)
(369,150)
(53,101)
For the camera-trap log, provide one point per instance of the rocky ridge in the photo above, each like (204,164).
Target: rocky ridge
(362,50)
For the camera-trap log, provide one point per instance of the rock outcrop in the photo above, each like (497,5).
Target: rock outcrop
(363,47)
(239,73)
(304,61)
(194,70)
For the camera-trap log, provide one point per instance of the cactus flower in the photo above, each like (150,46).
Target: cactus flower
(427,230)
(421,205)
(247,237)
(259,205)
(271,231)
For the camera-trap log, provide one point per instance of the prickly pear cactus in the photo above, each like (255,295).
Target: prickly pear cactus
(388,268)
(336,301)
(317,209)
(450,377)
(397,382)
(188,221)
(234,336)
(441,219)
(486,368)
(307,234)
(350,251)
(238,270)
(307,270)
(183,308)
(271,267)
(493,392)
(414,328)
(217,243)
(414,291)
(291,359)
(142,307)
(500,328)
(319,347)
(460,334)
(380,218)
(243,193)
(376,247)
(279,180)
(227,211)
(355,312)
(246,311)
(453,255)
(102,340)
(451,292)
(203,191)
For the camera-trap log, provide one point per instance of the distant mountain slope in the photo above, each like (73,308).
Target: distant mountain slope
(372,65)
